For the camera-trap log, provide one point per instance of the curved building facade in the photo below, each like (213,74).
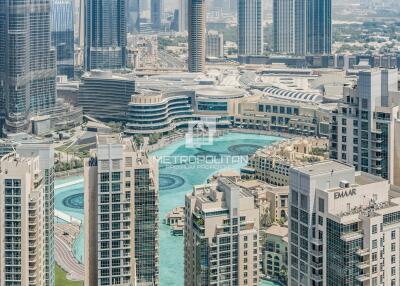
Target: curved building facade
(218,100)
(105,96)
(152,111)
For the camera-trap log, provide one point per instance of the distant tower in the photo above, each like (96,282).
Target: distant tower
(197,35)
(319,30)
(250,28)
(282,12)
(62,36)
(156,14)
(183,15)
(302,26)
(27,62)
(105,34)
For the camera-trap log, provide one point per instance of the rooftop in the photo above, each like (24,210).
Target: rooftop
(277,230)
(109,139)
(323,167)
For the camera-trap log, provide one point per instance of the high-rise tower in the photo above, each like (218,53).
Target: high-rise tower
(250,28)
(105,34)
(197,35)
(156,14)
(319,27)
(221,235)
(302,26)
(27,62)
(62,36)
(121,215)
(283,26)
(26,201)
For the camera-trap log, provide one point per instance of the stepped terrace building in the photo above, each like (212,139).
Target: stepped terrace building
(221,235)
(121,215)
(272,164)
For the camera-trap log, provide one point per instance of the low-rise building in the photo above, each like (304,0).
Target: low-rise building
(272,163)
(272,201)
(262,112)
(105,96)
(152,111)
(275,252)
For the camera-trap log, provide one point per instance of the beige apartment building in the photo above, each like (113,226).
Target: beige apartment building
(221,235)
(121,215)
(22,233)
(344,227)
(272,163)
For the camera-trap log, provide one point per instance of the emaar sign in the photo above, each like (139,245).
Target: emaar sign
(345,194)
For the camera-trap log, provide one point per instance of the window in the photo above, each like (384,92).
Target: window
(303,202)
(295,198)
(104,177)
(374,229)
(116,176)
(374,268)
(374,256)
(321,205)
(374,244)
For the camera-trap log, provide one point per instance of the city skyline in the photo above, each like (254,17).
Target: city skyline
(199,142)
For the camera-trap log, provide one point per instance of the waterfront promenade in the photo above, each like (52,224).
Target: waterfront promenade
(65,235)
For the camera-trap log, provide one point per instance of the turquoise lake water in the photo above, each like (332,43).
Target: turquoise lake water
(181,167)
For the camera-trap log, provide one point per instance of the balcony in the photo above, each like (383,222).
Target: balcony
(317,241)
(362,277)
(362,252)
(363,264)
(317,253)
(316,277)
(316,264)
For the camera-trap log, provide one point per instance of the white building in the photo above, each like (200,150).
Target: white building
(365,128)
(121,215)
(343,227)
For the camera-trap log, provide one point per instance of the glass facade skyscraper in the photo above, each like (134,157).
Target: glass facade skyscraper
(62,36)
(156,14)
(27,62)
(250,27)
(105,34)
(302,27)
(319,27)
